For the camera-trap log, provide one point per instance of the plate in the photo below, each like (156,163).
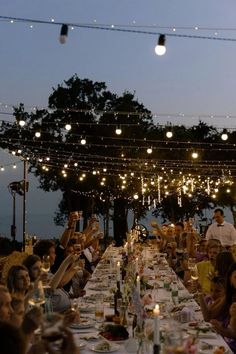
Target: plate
(82,325)
(99,287)
(113,348)
(81,344)
(86,308)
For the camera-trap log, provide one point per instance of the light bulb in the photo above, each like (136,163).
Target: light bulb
(21,122)
(118,130)
(68,127)
(149,150)
(224,135)
(160,48)
(194,155)
(37,134)
(83,141)
(169,134)
(135,196)
(63,34)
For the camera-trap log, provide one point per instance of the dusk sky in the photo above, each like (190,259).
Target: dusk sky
(195,76)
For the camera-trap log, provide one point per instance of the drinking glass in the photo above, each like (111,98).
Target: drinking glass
(194,273)
(99,309)
(37,296)
(45,269)
(173,343)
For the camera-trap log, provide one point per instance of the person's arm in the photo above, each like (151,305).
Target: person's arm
(69,273)
(70,229)
(212,311)
(57,277)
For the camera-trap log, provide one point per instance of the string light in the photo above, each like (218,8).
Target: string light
(121,28)
(22,122)
(83,141)
(38,134)
(149,150)
(118,130)
(224,135)
(169,134)
(68,127)
(160,48)
(194,155)
(63,34)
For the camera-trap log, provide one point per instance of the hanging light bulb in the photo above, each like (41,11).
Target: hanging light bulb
(37,134)
(21,122)
(63,34)
(224,135)
(136,196)
(83,141)
(169,134)
(160,48)
(14,166)
(68,127)
(118,130)
(149,150)
(194,155)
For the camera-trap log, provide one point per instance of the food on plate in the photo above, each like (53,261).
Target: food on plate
(114,332)
(219,350)
(103,346)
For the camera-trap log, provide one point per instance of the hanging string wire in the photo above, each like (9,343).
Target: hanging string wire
(115,29)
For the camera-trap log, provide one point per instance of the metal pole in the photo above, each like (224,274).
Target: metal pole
(13,226)
(24,204)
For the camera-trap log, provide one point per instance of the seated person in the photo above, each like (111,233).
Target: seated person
(209,302)
(206,269)
(60,298)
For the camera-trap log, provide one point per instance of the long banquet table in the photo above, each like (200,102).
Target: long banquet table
(103,280)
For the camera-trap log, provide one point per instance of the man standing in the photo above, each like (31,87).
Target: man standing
(221,230)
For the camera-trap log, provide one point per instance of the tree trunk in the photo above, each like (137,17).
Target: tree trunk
(120,224)
(233,213)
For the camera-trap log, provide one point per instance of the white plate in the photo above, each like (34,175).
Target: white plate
(114,348)
(99,288)
(86,308)
(82,325)
(81,344)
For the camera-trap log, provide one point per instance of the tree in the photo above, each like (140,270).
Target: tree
(79,154)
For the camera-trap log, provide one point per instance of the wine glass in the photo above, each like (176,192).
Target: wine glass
(37,297)
(194,273)
(45,269)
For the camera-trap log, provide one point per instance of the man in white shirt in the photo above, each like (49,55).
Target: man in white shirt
(221,230)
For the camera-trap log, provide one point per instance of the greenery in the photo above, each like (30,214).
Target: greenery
(111,169)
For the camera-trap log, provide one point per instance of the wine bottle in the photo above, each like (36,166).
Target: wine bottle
(117,299)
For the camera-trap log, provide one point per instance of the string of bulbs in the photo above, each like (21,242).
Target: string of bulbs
(160,48)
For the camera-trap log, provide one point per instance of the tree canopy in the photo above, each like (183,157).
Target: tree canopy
(78,151)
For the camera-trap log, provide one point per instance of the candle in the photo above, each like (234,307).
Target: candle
(118,271)
(138,284)
(156,338)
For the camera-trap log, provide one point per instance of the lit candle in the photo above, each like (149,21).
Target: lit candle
(156,337)
(138,284)
(118,271)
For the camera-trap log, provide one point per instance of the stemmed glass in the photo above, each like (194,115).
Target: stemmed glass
(45,269)
(37,297)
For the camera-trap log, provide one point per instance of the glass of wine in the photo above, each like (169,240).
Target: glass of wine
(194,273)
(37,296)
(45,269)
